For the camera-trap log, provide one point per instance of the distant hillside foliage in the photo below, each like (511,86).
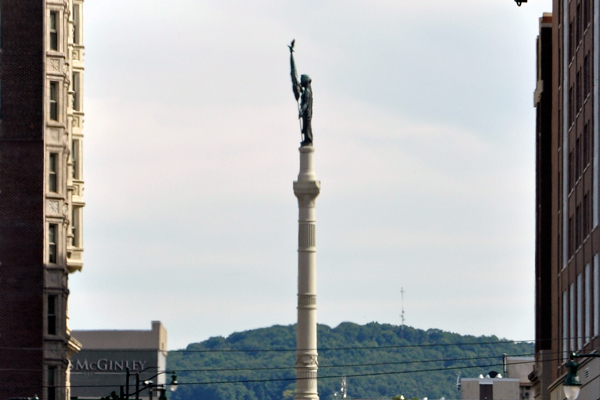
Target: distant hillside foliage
(439,355)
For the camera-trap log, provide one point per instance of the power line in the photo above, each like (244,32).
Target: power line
(353,365)
(357,375)
(320,366)
(347,375)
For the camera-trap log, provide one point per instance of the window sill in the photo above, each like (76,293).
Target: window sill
(55,195)
(55,124)
(56,53)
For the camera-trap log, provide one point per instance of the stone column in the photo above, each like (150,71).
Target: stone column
(306,189)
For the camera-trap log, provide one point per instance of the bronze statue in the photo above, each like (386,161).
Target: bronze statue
(302,92)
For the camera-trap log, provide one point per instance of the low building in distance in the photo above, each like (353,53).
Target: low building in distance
(101,366)
(513,385)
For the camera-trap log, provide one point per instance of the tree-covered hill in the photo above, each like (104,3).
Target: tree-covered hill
(379,361)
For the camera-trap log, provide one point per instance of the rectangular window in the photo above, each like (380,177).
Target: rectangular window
(52,308)
(586,76)
(54,101)
(565,331)
(578,160)
(586,13)
(76,94)
(75,226)
(588,304)
(577,226)
(571,41)
(596,296)
(572,306)
(578,94)
(76,23)
(53,173)
(54,30)
(579,22)
(579,311)
(560,67)
(571,106)
(75,158)
(52,375)
(560,247)
(586,145)
(571,170)
(571,242)
(586,215)
(559,189)
(559,11)
(590,141)
(52,239)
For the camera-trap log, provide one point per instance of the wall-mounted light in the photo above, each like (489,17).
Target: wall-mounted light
(572,384)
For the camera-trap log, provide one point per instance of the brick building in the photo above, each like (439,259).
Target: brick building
(567,202)
(41,115)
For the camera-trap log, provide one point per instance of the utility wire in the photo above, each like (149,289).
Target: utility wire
(320,366)
(318,378)
(352,365)
(346,375)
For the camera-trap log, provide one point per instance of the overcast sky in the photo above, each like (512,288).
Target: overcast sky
(424,132)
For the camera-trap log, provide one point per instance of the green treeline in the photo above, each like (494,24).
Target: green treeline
(423,363)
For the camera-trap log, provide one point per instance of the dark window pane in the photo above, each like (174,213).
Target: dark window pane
(52,173)
(75,158)
(52,383)
(53,30)
(76,23)
(54,101)
(52,300)
(76,91)
(52,231)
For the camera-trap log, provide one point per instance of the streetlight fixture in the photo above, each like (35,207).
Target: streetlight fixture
(173,385)
(519,2)
(160,388)
(149,384)
(572,384)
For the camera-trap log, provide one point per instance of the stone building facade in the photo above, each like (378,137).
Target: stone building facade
(41,188)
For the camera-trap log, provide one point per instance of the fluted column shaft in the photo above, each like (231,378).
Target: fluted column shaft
(306,189)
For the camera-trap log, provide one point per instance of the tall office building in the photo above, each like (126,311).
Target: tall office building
(41,187)
(567,234)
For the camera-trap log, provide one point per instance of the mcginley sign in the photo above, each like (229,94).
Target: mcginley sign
(107,365)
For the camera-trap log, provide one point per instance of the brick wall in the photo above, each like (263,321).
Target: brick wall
(21,198)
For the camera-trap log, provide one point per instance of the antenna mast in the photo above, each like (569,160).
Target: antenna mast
(402,315)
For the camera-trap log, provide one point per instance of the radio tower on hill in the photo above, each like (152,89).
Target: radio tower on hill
(402,315)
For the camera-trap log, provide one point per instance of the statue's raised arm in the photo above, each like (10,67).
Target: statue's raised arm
(302,92)
(294,73)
